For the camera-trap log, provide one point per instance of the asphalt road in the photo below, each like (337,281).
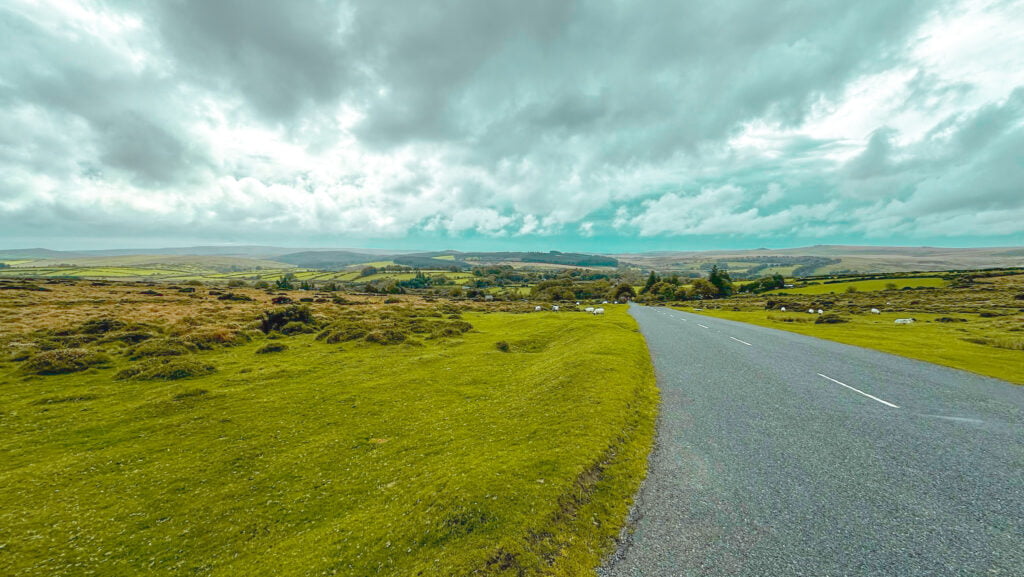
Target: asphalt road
(780,454)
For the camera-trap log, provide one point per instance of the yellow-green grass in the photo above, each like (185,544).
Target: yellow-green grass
(943,343)
(865,286)
(445,257)
(444,458)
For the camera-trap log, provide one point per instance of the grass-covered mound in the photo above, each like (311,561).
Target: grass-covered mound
(446,458)
(60,361)
(165,369)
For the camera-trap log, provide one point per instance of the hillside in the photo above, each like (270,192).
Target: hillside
(830,259)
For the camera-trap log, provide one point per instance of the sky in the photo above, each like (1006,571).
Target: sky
(599,126)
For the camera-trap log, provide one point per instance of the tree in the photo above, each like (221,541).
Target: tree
(624,291)
(702,288)
(651,281)
(721,280)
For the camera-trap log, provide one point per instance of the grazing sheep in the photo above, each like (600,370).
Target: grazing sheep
(589,309)
(783,309)
(604,303)
(599,311)
(538,308)
(554,307)
(876,312)
(904,321)
(810,311)
(820,311)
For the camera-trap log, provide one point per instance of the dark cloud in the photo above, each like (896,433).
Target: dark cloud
(547,116)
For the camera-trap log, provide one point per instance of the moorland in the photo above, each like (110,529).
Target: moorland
(396,414)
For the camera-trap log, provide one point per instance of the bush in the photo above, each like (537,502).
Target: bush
(236,283)
(275,319)
(164,369)
(162,348)
(271,348)
(502,346)
(60,361)
(829,319)
(233,297)
(101,326)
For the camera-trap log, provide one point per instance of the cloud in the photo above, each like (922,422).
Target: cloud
(354,121)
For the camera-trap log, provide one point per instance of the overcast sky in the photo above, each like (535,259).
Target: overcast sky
(606,125)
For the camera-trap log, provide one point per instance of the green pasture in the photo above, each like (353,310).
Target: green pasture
(441,457)
(865,286)
(986,346)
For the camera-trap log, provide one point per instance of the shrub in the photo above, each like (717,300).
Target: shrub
(233,297)
(60,361)
(236,283)
(162,348)
(502,346)
(277,318)
(271,348)
(164,369)
(101,326)
(829,319)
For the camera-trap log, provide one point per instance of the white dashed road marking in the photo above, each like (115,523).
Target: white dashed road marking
(859,391)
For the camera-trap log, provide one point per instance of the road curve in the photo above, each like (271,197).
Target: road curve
(780,454)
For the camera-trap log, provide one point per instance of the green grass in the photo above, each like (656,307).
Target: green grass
(951,344)
(446,457)
(864,286)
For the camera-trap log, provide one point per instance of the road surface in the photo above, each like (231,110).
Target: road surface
(780,454)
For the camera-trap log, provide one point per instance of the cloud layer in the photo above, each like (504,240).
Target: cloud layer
(611,125)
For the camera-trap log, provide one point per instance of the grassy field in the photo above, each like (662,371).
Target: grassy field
(977,327)
(866,285)
(958,345)
(511,449)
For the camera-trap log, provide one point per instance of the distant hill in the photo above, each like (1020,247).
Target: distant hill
(831,259)
(328,259)
(35,253)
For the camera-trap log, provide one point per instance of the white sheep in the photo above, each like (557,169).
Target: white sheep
(554,307)
(589,309)
(810,311)
(820,311)
(599,311)
(876,312)
(538,308)
(904,321)
(604,303)
(783,309)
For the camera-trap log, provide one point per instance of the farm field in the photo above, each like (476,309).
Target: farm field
(865,285)
(358,438)
(977,327)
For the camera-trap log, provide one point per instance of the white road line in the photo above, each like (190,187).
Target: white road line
(739,341)
(859,391)
(702,326)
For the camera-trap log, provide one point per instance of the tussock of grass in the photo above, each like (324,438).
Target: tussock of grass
(271,348)
(60,361)
(164,369)
(168,347)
